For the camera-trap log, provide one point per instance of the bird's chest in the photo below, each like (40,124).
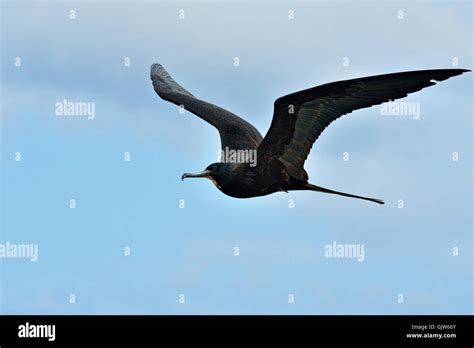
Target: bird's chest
(240,185)
(250,184)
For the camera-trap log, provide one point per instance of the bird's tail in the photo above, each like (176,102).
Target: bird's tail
(312,187)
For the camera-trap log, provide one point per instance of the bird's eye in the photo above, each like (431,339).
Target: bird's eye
(214,168)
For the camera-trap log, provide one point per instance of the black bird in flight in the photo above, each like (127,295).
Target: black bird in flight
(298,120)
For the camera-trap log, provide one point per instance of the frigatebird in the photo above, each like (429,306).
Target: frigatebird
(298,120)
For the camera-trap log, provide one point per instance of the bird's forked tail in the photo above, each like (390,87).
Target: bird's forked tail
(312,187)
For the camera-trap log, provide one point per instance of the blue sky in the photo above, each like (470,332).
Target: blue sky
(190,251)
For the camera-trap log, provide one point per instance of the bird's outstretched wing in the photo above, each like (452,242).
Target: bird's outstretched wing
(235,133)
(299,118)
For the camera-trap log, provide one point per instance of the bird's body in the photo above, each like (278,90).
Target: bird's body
(298,120)
(240,180)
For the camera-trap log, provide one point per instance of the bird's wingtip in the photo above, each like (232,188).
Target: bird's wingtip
(155,68)
(461,71)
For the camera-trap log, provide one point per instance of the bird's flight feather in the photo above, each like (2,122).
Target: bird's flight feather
(300,118)
(235,132)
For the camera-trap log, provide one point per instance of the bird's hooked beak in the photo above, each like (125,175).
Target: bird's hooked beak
(203,174)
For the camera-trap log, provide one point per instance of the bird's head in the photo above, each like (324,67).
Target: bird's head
(218,173)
